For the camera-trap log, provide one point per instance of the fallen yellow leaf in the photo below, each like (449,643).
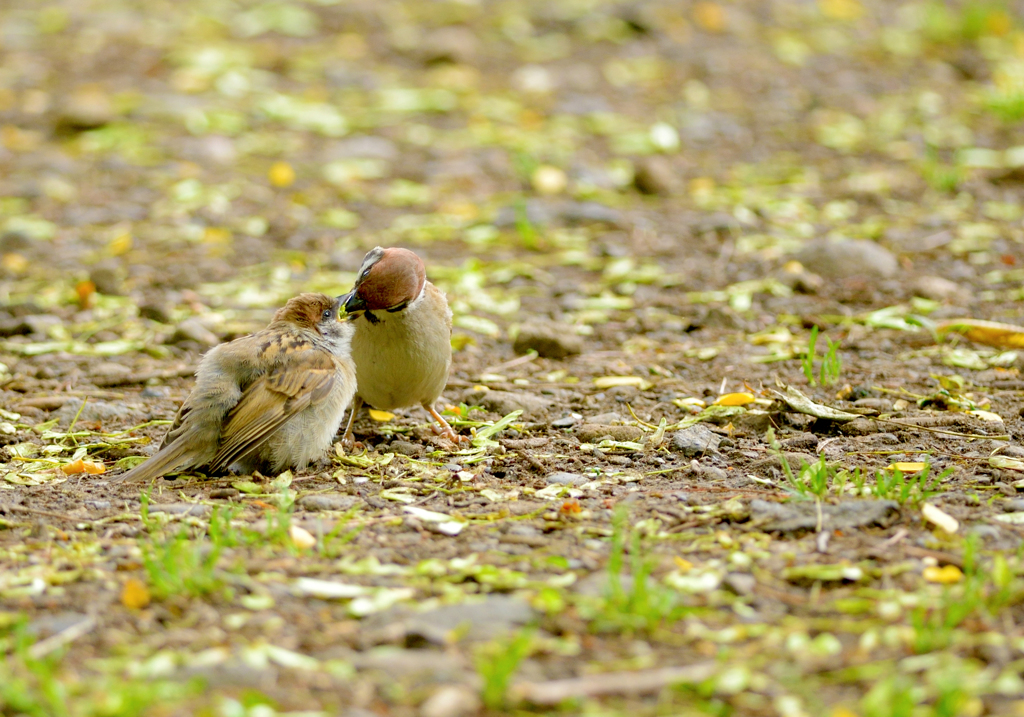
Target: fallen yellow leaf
(613,381)
(135,594)
(907,467)
(710,16)
(990,333)
(843,712)
(683,564)
(734,399)
(281,174)
(301,538)
(120,244)
(940,518)
(381,416)
(841,9)
(946,575)
(81,466)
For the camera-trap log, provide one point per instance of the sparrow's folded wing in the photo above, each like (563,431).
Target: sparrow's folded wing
(271,400)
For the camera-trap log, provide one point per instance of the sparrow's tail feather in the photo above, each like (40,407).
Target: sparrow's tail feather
(167,459)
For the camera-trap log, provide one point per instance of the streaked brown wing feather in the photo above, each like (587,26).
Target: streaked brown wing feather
(270,401)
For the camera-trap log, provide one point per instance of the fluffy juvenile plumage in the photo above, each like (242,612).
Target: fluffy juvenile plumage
(402,344)
(268,401)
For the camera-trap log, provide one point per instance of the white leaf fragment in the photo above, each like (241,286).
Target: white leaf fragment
(328,589)
(940,518)
(444,523)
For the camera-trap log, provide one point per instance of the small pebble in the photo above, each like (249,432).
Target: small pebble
(405,448)
(97,504)
(223,492)
(1006,489)
(180,509)
(549,340)
(566,422)
(563,478)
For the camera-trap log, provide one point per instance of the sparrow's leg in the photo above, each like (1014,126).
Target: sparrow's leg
(348,441)
(443,429)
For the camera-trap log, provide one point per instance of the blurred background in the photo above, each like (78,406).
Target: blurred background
(167,160)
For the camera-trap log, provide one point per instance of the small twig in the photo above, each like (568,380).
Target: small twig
(45,513)
(427,499)
(127,379)
(886,544)
(64,637)
(537,465)
(512,364)
(640,682)
(929,429)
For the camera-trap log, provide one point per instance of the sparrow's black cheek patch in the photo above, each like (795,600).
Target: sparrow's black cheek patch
(371,318)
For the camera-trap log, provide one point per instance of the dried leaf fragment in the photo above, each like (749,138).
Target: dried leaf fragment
(281,175)
(990,333)
(301,538)
(82,466)
(946,575)
(614,381)
(135,594)
(734,399)
(940,518)
(381,416)
(907,466)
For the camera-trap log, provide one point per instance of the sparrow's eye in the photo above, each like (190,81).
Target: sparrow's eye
(328,313)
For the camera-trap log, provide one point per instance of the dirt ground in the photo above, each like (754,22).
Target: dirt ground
(734,450)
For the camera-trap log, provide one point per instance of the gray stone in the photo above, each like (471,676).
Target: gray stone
(451,701)
(504,402)
(882,405)
(454,43)
(86,107)
(938,288)
(797,517)
(859,427)
(193,331)
(842,259)
(94,411)
(40,323)
(801,441)
(594,432)
(563,478)
(327,501)
(740,583)
(655,175)
(108,277)
(196,509)
(695,440)
(486,619)
(361,146)
(405,448)
(549,340)
(157,311)
(566,422)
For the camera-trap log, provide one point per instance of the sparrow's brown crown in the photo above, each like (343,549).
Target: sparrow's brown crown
(389,279)
(309,310)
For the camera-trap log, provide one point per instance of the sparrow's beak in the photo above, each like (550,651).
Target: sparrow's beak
(352,302)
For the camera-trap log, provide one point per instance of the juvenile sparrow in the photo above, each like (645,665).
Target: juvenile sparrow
(268,401)
(402,344)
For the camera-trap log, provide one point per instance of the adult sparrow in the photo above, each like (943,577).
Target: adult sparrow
(268,401)
(402,344)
